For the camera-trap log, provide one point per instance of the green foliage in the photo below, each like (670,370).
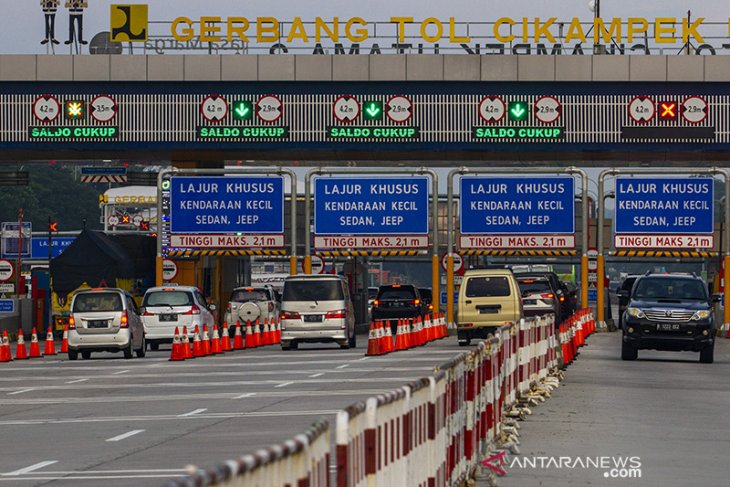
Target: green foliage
(52,192)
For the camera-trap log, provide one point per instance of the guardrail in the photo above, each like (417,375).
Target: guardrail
(433,431)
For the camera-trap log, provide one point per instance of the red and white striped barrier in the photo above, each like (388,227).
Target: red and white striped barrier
(301,461)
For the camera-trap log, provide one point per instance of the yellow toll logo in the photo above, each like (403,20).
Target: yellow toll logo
(128,23)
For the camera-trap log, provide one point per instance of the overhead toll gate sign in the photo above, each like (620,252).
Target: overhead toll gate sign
(360,213)
(517,213)
(664,213)
(226,212)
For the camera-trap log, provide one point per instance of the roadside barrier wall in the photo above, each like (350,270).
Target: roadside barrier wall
(431,432)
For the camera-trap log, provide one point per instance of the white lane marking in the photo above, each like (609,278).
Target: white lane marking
(320,374)
(183,397)
(107,472)
(117,419)
(343,366)
(76,381)
(125,435)
(193,413)
(20,391)
(99,477)
(284,384)
(121,372)
(31,468)
(247,394)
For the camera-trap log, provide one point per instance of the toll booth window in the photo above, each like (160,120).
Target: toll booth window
(168,298)
(245,296)
(487,287)
(97,302)
(313,291)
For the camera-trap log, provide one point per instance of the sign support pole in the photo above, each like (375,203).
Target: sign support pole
(713,171)
(492,171)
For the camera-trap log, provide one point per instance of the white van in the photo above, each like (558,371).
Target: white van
(488,298)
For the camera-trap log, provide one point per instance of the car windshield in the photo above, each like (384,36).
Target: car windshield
(531,286)
(168,298)
(314,290)
(670,289)
(242,296)
(393,293)
(97,302)
(487,287)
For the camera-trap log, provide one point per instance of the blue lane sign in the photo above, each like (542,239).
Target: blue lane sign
(517,206)
(39,248)
(443,297)
(103,171)
(592,294)
(227,204)
(371,206)
(7,305)
(664,206)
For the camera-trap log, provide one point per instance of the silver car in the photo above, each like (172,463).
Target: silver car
(316,308)
(538,297)
(251,304)
(104,320)
(166,307)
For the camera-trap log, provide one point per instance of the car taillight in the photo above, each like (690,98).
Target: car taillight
(125,321)
(194,310)
(71,322)
(548,296)
(562,298)
(376,303)
(290,315)
(416,302)
(430,307)
(333,315)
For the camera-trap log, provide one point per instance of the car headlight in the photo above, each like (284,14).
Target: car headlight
(635,313)
(701,315)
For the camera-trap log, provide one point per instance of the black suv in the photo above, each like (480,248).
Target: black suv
(669,312)
(396,301)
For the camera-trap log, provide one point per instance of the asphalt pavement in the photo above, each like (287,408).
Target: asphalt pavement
(115,422)
(665,414)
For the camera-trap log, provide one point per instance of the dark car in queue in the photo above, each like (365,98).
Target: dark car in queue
(398,301)
(672,312)
(623,293)
(427,298)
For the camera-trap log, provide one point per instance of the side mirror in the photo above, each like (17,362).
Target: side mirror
(717,298)
(212,307)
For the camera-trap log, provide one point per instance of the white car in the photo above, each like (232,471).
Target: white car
(250,304)
(167,307)
(104,320)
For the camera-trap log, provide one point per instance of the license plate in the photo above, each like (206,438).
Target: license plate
(668,327)
(98,323)
(529,301)
(312,318)
(168,317)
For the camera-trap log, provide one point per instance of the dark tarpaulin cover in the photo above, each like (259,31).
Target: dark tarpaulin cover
(92,258)
(142,249)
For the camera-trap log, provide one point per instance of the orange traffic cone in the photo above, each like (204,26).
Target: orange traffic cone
(267,338)
(64,340)
(428,325)
(409,326)
(400,337)
(177,352)
(20,351)
(419,331)
(5,355)
(388,338)
(185,341)
(35,347)
(373,340)
(226,339)
(50,344)
(249,341)
(444,326)
(206,341)
(238,343)
(197,345)
(257,339)
(215,342)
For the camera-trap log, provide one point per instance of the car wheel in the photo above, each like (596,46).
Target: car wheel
(142,351)
(628,352)
(353,340)
(86,354)
(707,356)
(128,349)
(154,346)
(73,354)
